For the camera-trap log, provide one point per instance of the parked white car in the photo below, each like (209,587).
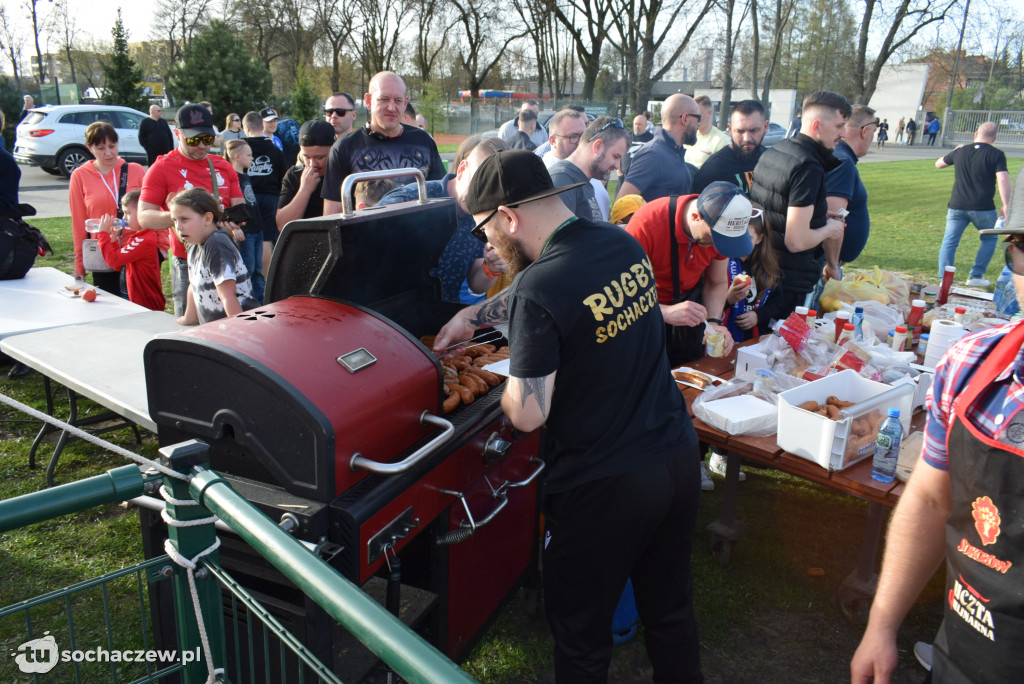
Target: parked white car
(53,136)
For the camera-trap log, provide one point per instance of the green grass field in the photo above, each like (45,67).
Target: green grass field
(762,618)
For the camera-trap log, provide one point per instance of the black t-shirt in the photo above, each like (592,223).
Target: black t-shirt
(290,188)
(588,308)
(361,151)
(268,167)
(976,166)
(727,164)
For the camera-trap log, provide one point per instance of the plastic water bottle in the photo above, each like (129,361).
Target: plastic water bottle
(887,447)
(858,323)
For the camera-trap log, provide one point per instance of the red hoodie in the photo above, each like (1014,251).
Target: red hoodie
(139,253)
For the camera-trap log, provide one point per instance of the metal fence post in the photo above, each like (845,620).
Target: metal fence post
(190,541)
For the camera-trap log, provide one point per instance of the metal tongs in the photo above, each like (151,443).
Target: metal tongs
(492,335)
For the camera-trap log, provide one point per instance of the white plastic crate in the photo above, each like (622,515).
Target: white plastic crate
(827,442)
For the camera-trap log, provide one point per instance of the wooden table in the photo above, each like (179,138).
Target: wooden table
(857,590)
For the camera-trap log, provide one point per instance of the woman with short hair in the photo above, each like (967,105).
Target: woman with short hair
(96,190)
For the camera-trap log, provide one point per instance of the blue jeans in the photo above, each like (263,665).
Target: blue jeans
(251,250)
(956,223)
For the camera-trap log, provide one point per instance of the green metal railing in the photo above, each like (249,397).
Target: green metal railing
(406,653)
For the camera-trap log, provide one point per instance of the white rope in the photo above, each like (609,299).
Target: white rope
(190,566)
(82,434)
(169,548)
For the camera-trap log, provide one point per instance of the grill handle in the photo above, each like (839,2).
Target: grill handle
(350,182)
(359,462)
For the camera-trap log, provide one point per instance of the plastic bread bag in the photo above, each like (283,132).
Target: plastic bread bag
(732,408)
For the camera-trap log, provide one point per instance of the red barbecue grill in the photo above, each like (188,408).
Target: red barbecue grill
(325,406)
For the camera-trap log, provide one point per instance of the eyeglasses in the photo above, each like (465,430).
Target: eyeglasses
(206,139)
(478,229)
(614,123)
(698,117)
(870,123)
(339,112)
(574,138)
(1010,261)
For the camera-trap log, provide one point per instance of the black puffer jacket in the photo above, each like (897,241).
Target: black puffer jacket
(800,159)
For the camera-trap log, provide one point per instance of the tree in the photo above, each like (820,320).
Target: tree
(67,32)
(175,23)
(593,14)
(643,26)
(219,69)
(40,25)
(485,41)
(122,73)
(12,42)
(899,26)
(305,105)
(334,21)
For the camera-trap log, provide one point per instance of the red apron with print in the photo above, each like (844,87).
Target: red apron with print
(982,634)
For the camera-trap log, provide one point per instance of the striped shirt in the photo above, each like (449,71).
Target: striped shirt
(995,408)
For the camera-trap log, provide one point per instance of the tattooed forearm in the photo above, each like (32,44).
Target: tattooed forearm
(533,387)
(493,311)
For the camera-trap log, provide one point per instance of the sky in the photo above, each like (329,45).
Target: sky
(92,17)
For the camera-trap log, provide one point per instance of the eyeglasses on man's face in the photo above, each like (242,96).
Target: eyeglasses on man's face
(197,140)
(698,117)
(574,138)
(339,111)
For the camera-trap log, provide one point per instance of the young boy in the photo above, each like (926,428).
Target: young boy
(218,282)
(137,251)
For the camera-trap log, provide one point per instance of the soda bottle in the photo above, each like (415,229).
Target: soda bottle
(887,447)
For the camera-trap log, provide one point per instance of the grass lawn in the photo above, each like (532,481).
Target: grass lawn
(762,619)
(907,201)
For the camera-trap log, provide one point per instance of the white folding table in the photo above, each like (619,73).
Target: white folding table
(101,360)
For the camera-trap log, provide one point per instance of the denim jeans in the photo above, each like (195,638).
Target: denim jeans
(251,250)
(956,223)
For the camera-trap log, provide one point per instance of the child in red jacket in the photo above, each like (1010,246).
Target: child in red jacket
(135,249)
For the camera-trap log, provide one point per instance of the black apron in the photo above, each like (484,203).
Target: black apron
(982,634)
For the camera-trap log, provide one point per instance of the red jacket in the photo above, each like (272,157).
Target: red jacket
(138,252)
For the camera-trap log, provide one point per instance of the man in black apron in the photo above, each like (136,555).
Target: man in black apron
(963,503)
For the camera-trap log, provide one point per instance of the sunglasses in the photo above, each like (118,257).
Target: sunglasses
(756,214)
(200,140)
(478,229)
(339,112)
(698,117)
(1010,261)
(614,123)
(236,121)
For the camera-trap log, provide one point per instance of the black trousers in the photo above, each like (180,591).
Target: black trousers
(638,525)
(109,281)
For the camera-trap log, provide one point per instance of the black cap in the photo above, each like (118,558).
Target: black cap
(193,120)
(316,133)
(268,114)
(511,177)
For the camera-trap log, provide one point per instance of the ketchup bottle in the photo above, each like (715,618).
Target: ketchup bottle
(947,283)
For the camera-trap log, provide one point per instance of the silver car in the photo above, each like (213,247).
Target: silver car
(53,136)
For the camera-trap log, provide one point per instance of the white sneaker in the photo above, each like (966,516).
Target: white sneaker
(717,464)
(978,282)
(706,484)
(923,653)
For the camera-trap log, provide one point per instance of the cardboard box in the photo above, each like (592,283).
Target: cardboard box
(830,443)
